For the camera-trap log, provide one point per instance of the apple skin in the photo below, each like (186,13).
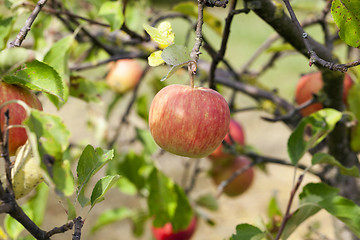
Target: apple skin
(241,183)
(236,132)
(124,75)
(166,232)
(17,136)
(190,122)
(312,83)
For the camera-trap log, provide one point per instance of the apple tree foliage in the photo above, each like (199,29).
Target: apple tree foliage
(60,50)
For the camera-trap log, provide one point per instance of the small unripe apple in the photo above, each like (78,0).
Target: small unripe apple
(17,136)
(189,121)
(27,178)
(235,135)
(166,232)
(241,183)
(312,83)
(124,75)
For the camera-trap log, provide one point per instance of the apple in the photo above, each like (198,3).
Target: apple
(166,232)
(241,183)
(235,135)
(17,136)
(189,121)
(312,83)
(124,75)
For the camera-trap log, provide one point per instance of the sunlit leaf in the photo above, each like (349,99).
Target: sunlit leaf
(101,187)
(346,15)
(38,76)
(163,34)
(311,131)
(155,59)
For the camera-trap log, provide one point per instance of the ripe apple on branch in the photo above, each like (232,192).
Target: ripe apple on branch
(17,114)
(312,83)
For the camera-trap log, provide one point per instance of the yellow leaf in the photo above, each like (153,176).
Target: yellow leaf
(163,35)
(155,59)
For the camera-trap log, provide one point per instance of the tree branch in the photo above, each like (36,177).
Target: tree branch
(24,30)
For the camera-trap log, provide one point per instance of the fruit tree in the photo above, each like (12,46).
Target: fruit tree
(198,119)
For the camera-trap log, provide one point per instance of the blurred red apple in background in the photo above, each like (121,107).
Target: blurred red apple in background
(312,83)
(235,135)
(166,232)
(124,75)
(241,183)
(190,122)
(17,136)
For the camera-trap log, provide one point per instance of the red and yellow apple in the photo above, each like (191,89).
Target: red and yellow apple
(17,135)
(241,183)
(124,75)
(166,232)
(235,135)
(189,121)
(312,83)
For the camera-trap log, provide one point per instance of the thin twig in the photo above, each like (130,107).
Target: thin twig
(225,37)
(287,215)
(125,55)
(66,227)
(194,55)
(314,58)
(25,29)
(237,173)
(194,176)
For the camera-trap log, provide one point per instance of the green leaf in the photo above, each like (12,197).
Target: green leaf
(112,12)
(176,55)
(57,57)
(87,90)
(101,187)
(191,9)
(125,186)
(12,227)
(273,207)
(12,58)
(150,147)
(91,161)
(163,34)
(167,202)
(38,203)
(50,132)
(110,216)
(71,211)
(247,232)
(346,15)
(173,70)
(63,177)
(138,221)
(207,201)
(142,107)
(6,25)
(135,168)
(155,59)
(311,131)
(317,196)
(354,103)
(38,76)
(320,158)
